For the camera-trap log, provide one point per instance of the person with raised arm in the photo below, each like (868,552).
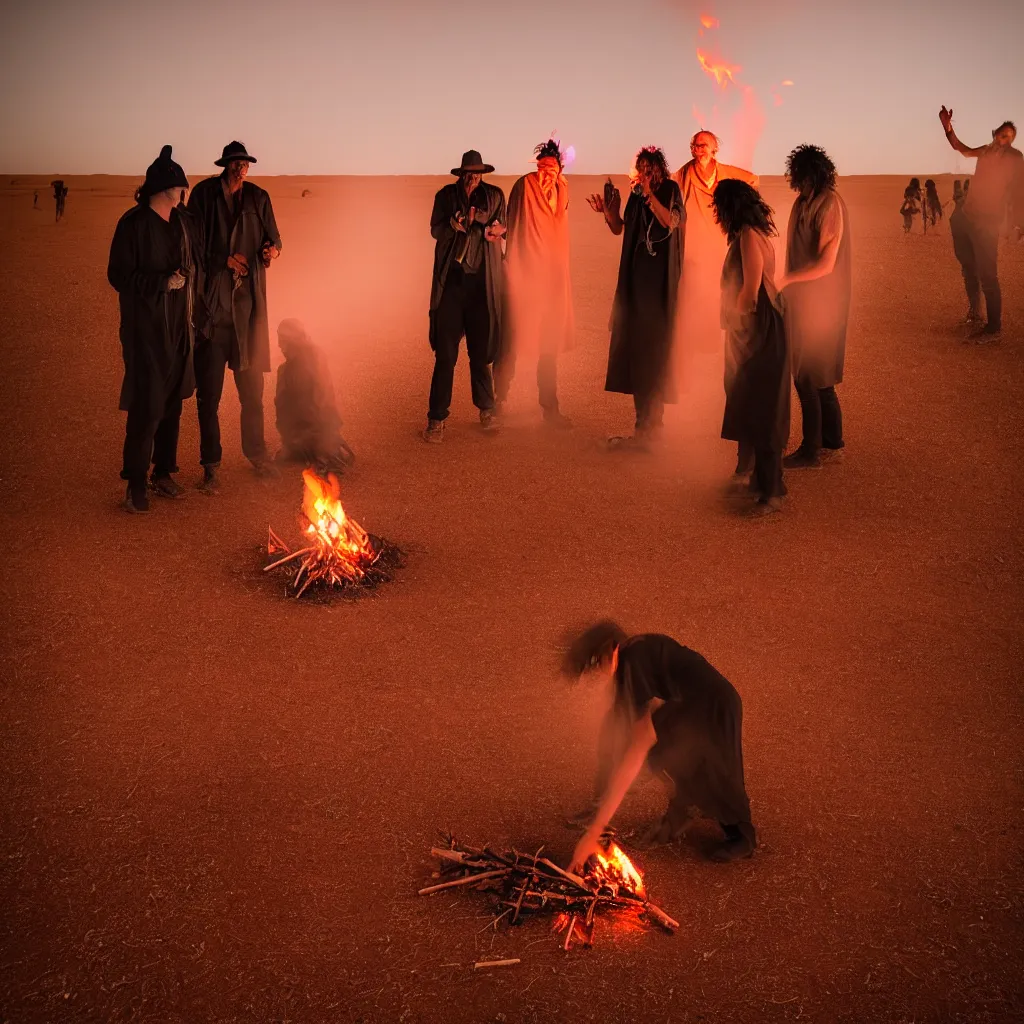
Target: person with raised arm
(997,187)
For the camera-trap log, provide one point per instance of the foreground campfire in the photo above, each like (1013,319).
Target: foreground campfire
(529,884)
(338,552)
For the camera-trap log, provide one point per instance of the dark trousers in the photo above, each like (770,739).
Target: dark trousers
(211,360)
(765,465)
(547,378)
(462,312)
(979,254)
(151,440)
(650,411)
(822,417)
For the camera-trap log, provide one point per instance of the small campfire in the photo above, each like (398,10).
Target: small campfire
(523,883)
(337,551)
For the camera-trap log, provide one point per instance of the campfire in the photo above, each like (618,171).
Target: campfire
(337,551)
(523,883)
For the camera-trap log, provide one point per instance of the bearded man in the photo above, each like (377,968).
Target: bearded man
(539,292)
(998,185)
(241,239)
(704,244)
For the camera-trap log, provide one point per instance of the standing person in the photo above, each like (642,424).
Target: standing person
(757,362)
(682,717)
(639,357)
(933,205)
(241,240)
(60,194)
(539,317)
(908,211)
(35,200)
(467,224)
(998,184)
(703,244)
(155,267)
(817,286)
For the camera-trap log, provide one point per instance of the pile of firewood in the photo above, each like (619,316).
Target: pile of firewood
(523,884)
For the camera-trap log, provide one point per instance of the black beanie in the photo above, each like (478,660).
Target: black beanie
(163,173)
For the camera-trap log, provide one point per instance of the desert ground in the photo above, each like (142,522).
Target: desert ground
(218,802)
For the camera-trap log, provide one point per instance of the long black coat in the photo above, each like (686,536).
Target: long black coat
(254,228)
(447,203)
(150,352)
(643,314)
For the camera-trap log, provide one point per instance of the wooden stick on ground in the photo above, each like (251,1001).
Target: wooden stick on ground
(287,558)
(661,917)
(463,881)
(496,963)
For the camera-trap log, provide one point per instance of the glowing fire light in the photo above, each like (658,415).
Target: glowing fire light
(708,22)
(615,871)
(328,525)
(722,72)
(786,81)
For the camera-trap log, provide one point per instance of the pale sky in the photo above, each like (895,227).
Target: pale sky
(388,87)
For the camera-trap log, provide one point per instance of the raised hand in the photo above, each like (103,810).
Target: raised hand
(946,117)
(595,202)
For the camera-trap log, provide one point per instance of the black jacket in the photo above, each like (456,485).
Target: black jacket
(151,345)
(254,228)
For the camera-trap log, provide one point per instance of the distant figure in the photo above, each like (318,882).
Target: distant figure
(466,293)
(643,314)
(757,370)
(307,413)
(35,200)
(909,211)
(703,246)
(538,315)
(933,205)
(817,286)
(241,241)
(998,185)
(155,267)
(60,194)
(673,711)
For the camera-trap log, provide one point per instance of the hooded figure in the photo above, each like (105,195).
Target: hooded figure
(307,413)
(156,268)
(539,316)
(241,239)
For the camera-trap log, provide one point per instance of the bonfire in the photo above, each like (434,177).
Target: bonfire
(524,883)
(337,552)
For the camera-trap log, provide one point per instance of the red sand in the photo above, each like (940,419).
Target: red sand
(218,803)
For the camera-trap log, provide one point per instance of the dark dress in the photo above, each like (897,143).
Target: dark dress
(643,315)
(699,727)
(757,376)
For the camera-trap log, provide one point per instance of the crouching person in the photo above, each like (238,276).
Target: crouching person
(154,267)
(307,413)
(684,720)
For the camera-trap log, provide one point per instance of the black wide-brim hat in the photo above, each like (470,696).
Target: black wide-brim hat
(472,163)
(233,151)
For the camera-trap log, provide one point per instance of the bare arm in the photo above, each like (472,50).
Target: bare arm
(753,271)
(946,117)
(668,217)
(831,235)
(642,738)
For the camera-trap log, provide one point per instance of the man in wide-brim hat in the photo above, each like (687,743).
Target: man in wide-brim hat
(155,266)
(467,223)
(241,240)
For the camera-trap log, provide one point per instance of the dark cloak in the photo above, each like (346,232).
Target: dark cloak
(157,326)
(699,727)
(448,201)
(643,314)
(307,412)
(254,228)
(817,312)
(757,368)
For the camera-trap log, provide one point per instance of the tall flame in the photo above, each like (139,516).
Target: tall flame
(720,70)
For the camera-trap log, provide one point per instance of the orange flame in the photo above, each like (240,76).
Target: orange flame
(786,81)
(329,527)
(617,872)
(708,21)
(722,72)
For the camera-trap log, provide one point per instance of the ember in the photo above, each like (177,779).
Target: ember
(529,884)
(338,552)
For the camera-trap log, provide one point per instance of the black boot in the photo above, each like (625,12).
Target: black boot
(740,841)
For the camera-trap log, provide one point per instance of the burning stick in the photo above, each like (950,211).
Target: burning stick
(338,552)
(529,883)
